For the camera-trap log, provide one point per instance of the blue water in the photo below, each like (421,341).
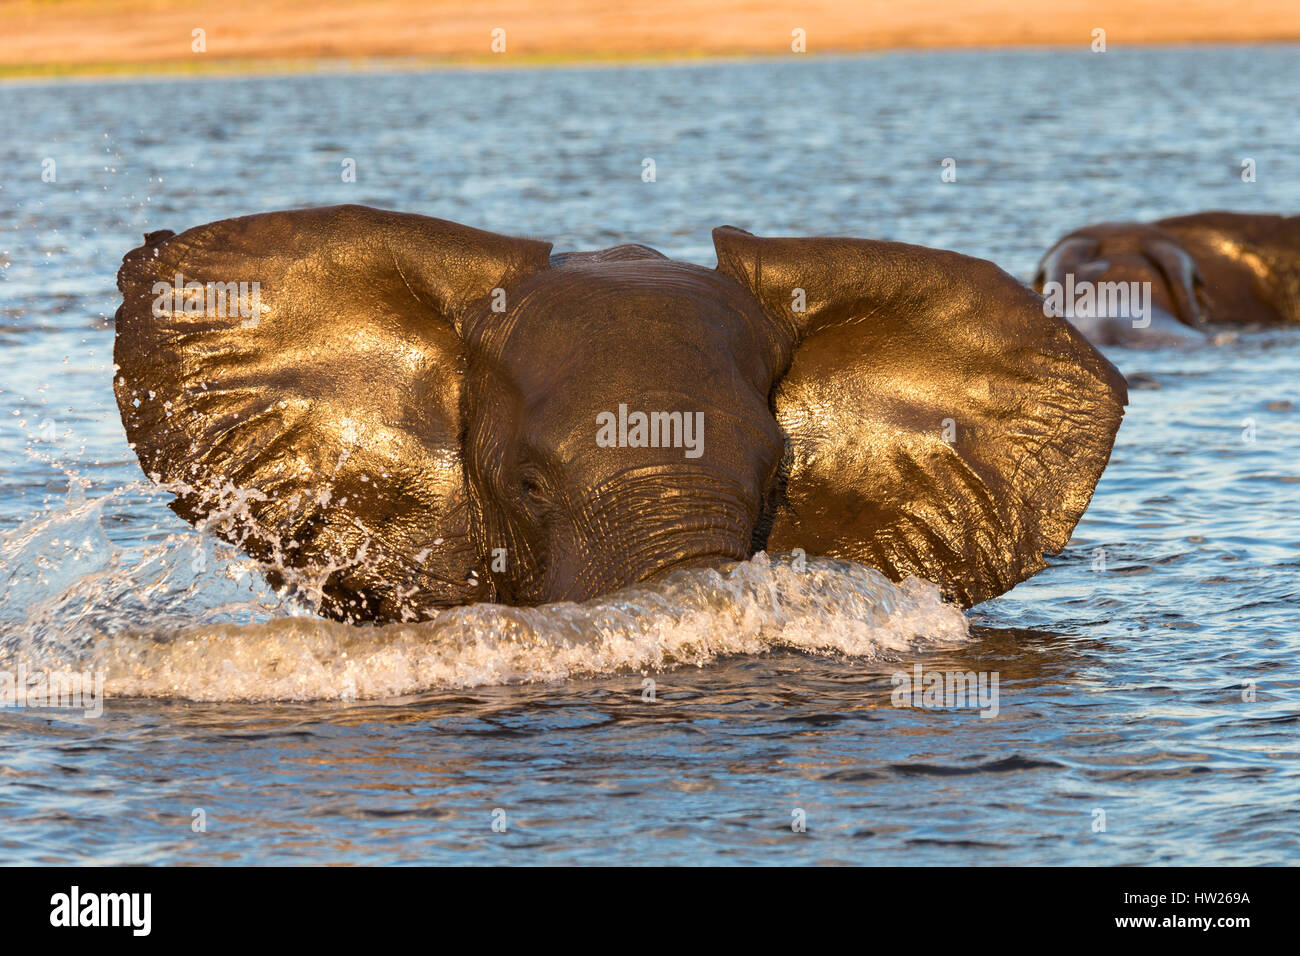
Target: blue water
(1122,667)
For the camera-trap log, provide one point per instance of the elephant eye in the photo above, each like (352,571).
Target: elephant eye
(533,488)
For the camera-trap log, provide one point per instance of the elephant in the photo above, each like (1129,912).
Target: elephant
(1206,270)
(419,414)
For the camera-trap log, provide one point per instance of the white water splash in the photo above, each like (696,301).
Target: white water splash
(184,617)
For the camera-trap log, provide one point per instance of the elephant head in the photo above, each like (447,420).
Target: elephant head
(417,414)
(1127,256)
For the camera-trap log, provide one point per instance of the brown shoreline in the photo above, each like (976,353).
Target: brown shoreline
(52,37)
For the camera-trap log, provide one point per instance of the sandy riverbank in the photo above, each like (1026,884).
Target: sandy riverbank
(56,37)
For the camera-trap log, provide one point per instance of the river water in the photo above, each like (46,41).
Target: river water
(1147,707)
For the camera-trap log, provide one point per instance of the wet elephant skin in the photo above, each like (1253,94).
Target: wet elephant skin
(404,414)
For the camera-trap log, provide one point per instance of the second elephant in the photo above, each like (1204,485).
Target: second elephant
(1204,270)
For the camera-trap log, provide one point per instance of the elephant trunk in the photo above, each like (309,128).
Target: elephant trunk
(648,531)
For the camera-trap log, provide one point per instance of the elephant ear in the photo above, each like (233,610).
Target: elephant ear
(939,423)
(311,413)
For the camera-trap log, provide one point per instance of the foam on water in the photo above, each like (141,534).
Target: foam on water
(186,617)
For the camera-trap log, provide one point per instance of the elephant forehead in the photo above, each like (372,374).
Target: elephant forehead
(619,313)
(603,294)
(1119,237)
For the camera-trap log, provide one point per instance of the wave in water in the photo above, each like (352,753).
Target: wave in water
(188,617)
